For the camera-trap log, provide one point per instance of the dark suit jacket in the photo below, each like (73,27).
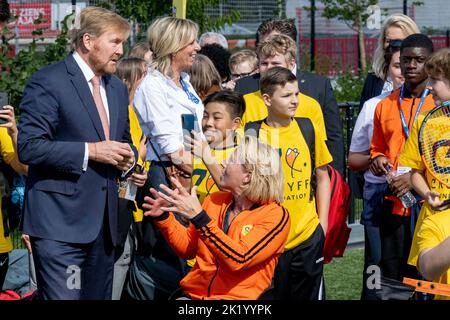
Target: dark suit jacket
(319,88)
(58,115)
(372,88)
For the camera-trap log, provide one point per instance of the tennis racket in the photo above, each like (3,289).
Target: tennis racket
(434,143)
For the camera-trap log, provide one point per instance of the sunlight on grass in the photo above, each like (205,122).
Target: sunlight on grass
(343,276)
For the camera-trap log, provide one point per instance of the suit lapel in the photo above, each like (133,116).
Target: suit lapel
(301,80)
(81,86)
(113,106)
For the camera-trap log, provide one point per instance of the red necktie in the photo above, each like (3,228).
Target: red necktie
(99,104)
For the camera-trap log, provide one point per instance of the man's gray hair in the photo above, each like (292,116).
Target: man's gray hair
(216,37)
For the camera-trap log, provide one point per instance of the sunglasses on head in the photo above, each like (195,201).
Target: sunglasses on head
(395,43)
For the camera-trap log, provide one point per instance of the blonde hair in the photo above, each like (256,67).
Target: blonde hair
(204,75)
(243,56)
(264,164)
(438,64)
(406,24)
(166,36)
(277,43)
(96,21)
(130,71)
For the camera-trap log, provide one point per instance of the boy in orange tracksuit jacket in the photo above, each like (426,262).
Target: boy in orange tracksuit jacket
(394,117)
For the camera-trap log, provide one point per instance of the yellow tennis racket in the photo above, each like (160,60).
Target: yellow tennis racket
(434,143)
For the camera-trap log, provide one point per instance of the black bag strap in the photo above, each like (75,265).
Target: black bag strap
(307,130)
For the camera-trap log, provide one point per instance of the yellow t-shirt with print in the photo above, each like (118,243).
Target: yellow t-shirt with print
(255,110)
(201,176)
(410,157)
(7,151)
(296,162)
(432,232)
(136,136)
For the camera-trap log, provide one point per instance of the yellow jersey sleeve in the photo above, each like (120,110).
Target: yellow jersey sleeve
(7,150)
(310,108)
(6,146)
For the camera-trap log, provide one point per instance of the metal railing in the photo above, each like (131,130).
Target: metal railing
(349,113)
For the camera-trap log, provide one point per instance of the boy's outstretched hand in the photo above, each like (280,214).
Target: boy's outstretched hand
(435,202)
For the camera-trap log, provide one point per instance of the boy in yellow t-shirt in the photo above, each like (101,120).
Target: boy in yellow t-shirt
(300,268)
(280,50)
(430,250)
(221,117)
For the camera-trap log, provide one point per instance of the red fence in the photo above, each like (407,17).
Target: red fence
(338,54)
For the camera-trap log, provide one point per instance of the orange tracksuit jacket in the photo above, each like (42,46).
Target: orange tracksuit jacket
(388,137)
(236,265)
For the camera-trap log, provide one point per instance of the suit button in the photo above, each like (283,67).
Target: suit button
(103,188)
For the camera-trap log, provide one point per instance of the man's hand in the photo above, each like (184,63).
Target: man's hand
(7,115)
(401,184)
(378,165)
(115,153)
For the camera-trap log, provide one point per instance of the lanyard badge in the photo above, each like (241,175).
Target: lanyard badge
(402,116)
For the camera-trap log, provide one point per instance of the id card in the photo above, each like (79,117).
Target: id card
(127,190)
(402,170)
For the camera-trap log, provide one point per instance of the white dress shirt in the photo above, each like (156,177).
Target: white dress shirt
(159,104)
(89,74)
(363,131)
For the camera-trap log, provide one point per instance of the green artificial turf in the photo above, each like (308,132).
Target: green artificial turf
(343,276)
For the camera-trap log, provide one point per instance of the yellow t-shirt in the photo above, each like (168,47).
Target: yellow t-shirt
(255,110)
(296,162)
(201,176)
(410,157)
(433,231)
(7,151)
(136,136)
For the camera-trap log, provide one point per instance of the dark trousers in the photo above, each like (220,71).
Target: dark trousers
(396,239)
(299,273)
(373,196)
(156,270)
(71,271)
(4,261)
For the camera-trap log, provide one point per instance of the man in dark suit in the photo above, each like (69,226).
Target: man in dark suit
(74,135)
(310,84)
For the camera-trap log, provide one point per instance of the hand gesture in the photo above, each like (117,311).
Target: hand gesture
(180,201)
(378,165)
(153,206)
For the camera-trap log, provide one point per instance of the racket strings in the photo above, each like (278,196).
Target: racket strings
(435,144)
